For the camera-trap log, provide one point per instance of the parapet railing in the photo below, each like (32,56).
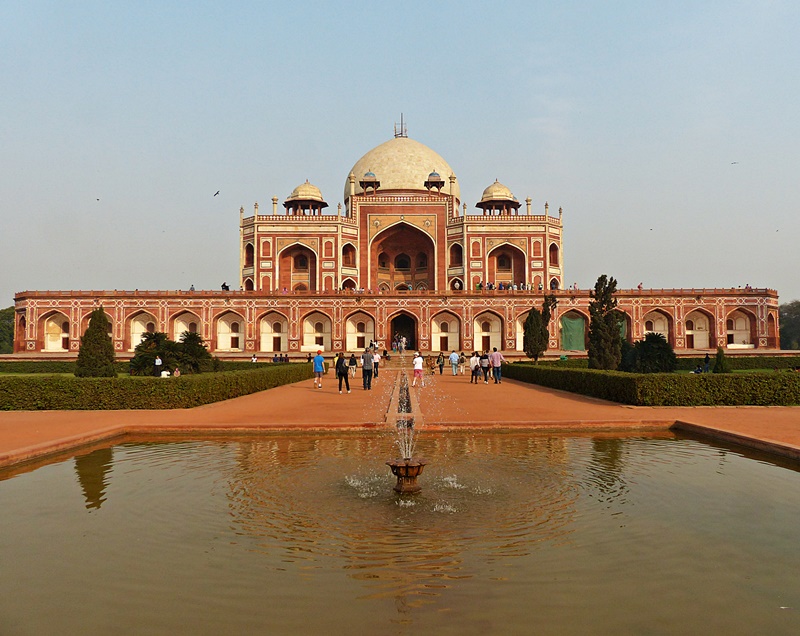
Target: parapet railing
(755,291)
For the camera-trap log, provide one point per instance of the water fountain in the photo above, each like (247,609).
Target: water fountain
(407,468)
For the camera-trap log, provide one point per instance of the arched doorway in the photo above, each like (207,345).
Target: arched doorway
(405,325)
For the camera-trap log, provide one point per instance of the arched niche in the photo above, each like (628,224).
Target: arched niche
(359,331)
(487,329)
(297,268)
(405,256)
(316,332)
(659,321)
(139,324)
(445,332)
(573,331)
(740,330)
(183,322)
(274,333)
(507,265)
(700,334)
(55,330)
(230,332)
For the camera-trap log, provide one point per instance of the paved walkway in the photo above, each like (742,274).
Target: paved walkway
(444,402)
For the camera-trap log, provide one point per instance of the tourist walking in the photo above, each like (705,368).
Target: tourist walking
(462,360)
(497,361)
(417,363)
(376,361)
(454,362)
(342,372)
(157,366)
(484,365)
(319,368)
(352,363)
(707,363)
(366,369)
(440,362)
(474,368)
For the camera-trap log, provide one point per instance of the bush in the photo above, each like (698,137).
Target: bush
(70,393)
(651,355)
(667,389)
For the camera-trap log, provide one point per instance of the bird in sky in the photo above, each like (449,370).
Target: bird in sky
(733,163)
(216,193)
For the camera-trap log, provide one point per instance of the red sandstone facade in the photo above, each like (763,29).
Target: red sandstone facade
(402,256)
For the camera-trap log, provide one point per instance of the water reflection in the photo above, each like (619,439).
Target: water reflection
(606,470)
(93,471)
(490,498)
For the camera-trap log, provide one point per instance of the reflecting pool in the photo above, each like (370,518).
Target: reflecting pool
(513,533)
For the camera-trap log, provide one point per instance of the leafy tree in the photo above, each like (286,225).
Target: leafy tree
(7,330)
(721,362)
(152,345)
(605,341)
(96,355)
(193,354)
(190,355)
(790,325)
(536,337)
(654,354)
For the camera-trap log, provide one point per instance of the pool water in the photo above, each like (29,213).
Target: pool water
(513,533)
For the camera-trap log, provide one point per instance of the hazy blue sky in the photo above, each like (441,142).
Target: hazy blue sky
(668,131)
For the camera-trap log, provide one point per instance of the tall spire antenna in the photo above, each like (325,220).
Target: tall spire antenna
(400,129)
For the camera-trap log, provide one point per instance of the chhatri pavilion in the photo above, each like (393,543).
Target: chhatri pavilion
(403,256)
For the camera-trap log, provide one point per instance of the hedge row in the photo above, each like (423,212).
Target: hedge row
(736,363)
(667,389)
(123,366)
(29,393)
(48,366)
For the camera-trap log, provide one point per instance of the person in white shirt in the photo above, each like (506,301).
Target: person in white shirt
(418,372)
(454,361)
(376,359)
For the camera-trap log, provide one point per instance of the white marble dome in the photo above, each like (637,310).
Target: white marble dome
(402,164)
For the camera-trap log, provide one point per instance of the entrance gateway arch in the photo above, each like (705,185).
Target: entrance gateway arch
(404,325)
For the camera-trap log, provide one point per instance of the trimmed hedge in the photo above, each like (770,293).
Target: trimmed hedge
(27,393)
(48,366)
(667,389)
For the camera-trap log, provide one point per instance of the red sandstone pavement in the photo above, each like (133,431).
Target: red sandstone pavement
(444,402)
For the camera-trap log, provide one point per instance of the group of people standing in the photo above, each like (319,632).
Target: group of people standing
(480,364)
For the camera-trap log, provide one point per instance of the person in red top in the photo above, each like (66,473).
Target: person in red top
(496,359)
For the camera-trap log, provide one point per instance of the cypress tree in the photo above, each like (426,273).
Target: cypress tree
(536,337)
(605,341)
(721,363)
(96,355)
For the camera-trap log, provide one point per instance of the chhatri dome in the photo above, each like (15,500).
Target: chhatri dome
(306,192)
(402,164)
(497,192)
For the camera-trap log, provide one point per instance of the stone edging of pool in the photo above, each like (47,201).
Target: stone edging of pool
(121,433)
